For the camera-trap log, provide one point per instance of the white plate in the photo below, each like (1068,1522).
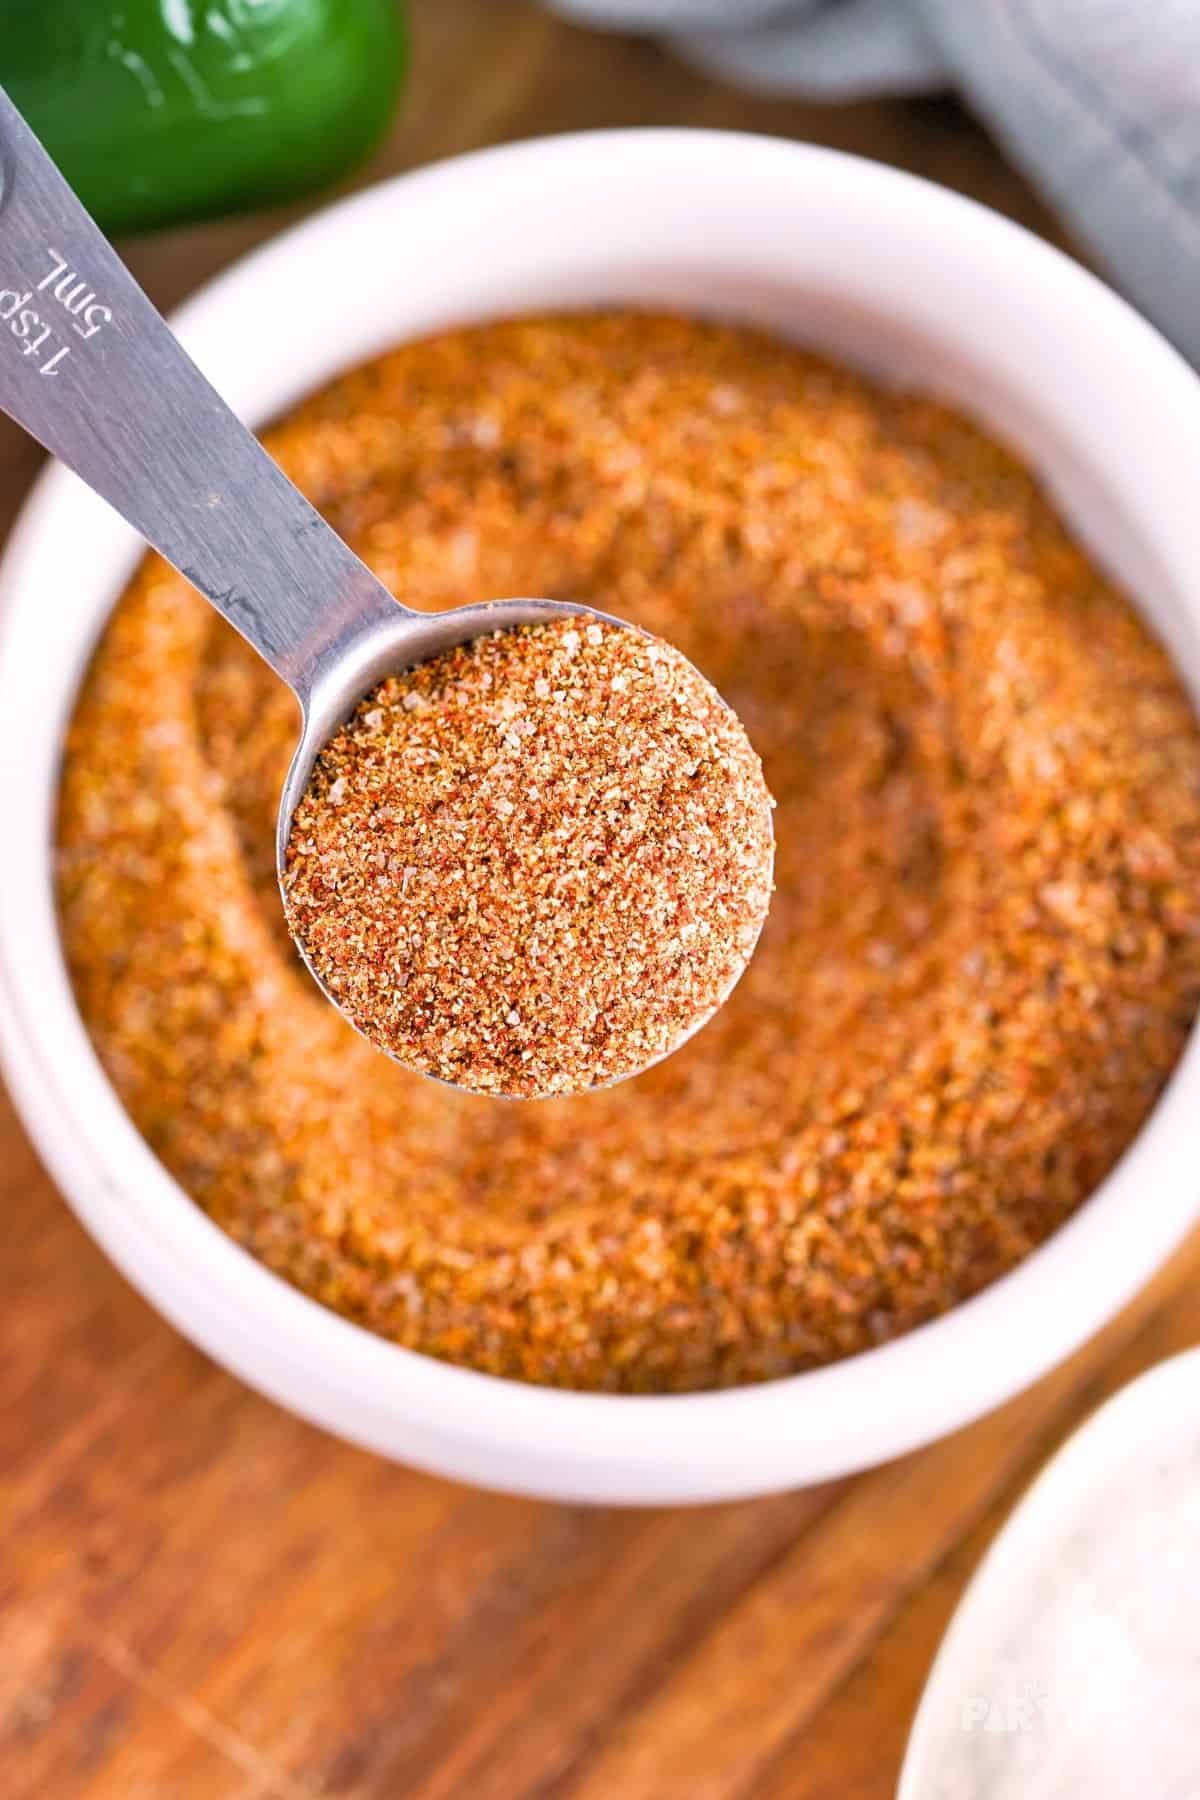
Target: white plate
(1072,1666)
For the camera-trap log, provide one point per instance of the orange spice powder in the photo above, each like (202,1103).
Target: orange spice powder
(536,863)
(982,957)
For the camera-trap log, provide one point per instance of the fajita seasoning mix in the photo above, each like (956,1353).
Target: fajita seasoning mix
(534,864)
(983,952)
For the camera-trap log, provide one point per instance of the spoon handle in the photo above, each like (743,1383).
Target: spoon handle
(91,369)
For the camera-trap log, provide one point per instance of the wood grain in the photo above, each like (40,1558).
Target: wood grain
(202,1597)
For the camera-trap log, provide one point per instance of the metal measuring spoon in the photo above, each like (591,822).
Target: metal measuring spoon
(91,370)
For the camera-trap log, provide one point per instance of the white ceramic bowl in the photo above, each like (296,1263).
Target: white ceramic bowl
(856,259)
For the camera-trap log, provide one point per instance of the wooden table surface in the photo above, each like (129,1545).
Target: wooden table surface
(203,1599)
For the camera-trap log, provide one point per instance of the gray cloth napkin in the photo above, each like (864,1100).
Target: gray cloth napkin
(1097,100)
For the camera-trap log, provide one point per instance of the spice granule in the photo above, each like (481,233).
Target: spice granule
(535,863)
(982,957)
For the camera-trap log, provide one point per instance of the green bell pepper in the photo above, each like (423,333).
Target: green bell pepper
(159,111)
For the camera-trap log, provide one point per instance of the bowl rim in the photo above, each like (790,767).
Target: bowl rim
(715,1444)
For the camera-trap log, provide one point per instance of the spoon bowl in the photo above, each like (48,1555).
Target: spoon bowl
(390,643)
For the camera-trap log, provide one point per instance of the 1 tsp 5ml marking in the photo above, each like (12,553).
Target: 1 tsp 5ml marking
(39,336)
